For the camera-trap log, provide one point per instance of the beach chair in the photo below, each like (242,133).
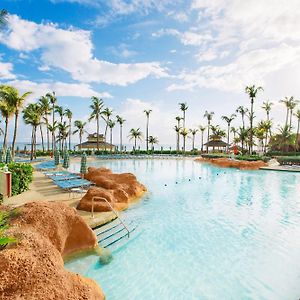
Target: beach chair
(72,184)
(68,176)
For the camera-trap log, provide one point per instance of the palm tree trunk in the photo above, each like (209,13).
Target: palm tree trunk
(291,115)
(228,132)
(202,141)
(251,127)
(193,142)
(42,137)
(32,140)
(287,116)
(48,138)
(121,142)
(297,136)
(34,155)
(80,139)
(243,121)
(15,133)
(207,136)
(183,144)
(5,133)
(147,133)
(97,133)
(111,140)
(134,143)
(70,133)
(53,132)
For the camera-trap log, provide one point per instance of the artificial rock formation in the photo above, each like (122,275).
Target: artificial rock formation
(118,189)
(34,267)
(230,163)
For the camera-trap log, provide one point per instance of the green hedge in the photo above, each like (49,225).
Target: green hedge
(21,176)
(289,160)
(238,157)
(280,153)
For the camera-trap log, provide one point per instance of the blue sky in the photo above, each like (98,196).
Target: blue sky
(153,54)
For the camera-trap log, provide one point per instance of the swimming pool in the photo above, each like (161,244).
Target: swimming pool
(216,234)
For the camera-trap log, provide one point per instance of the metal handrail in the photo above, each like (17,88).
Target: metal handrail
(114,211)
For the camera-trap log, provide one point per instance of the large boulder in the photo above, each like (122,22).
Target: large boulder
(118,189)
(34,267)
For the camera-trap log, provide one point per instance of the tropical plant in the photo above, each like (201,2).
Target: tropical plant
(121,121)
(46,111)
(184,132)
(7,111)
(5,240)
(147,112)
(79,125)
(252,92)
(228,120)
(63,132)
(217,132)
(52,99)
(152,140)
(283,140)
(208,116)
(183,107)
(96,106)
(69,115)
(111,124)
(3,18)
(243,134)
(297,115)
(193,132)
(242,111)
(52,129)
(135,134)
(234,131)
(106,114)
(202,129)
(177,129)
(32,116)
(267,106)
(293,103)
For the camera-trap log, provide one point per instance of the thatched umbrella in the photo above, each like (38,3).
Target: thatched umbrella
(56,157)
(8,158)
(66,162)
(83,167)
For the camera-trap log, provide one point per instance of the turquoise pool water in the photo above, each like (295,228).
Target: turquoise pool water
(216,234)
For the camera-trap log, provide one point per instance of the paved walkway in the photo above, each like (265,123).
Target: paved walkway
(282,168)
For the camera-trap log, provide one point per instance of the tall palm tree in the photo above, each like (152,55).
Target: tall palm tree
(202,129)
(267,106)
(193,132)
(228,120)
(147,112)
(111,124)
(252,92)
(286,101)
(106,114)
(52,129)
(7,111)
(96,106)
(46,111)
(208,116)
(184,132)
(293,104)
(52,99)
(183,107)
(68,113)
(79,125)
(243,134)
(60,111)
(152,140)
(297,115)
(234,131)
(32,115)
(121,121)
(63,132)
(177,129)
(16,101)
(135,134)
(242,111)
(3,18)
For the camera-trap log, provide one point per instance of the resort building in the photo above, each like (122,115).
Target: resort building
(91,143)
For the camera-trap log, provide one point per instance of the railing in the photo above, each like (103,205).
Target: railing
(114,211)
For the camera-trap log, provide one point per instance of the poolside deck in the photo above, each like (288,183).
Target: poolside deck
(42,189)
(282,168)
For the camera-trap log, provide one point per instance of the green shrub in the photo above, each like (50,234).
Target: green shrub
(5,217)
(280,153)
(289,160)
(21,176)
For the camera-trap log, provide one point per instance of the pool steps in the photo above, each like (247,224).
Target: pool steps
(113,232)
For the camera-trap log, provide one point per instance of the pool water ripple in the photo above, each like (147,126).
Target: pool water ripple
(215,234)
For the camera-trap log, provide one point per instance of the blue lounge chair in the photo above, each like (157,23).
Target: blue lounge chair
(68,176)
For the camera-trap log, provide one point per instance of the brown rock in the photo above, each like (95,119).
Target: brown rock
(34,268)
(118,189)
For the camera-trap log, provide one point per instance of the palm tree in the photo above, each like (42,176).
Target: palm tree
(243,134)
(3,18)
(184,132)
(193,132)
(106,113)
(52,99)
(63,132)
(147,112)
(177,129)
(234,131)
(209,116)
(52,129)
(267,106)
(135,134)
(68,113)
(7,111)
(242,111)
(284,139)
(183,108)
(202,129)
(79,125)
(297,115)
(32,116)
(121,122)
(96,106)
(286,102)
(111,124)
(60,111)
(16,101)
(252,92)
(152,140)
(293,104)
(228,120)
(46,111)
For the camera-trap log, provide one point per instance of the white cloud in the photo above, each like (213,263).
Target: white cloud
(71,50)
(62,89)
(6,71)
